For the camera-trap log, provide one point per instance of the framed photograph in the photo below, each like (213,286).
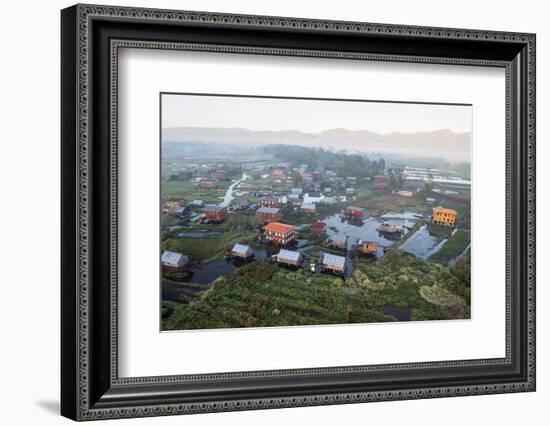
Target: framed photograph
(263,212)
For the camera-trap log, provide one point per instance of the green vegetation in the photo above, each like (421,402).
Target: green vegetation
(208,248)
(190,191)
(399,285)
(462,269)
(381,203)
(261,294)
(167,219)
(452,248)
(343,164)
(440,231)
(398,279)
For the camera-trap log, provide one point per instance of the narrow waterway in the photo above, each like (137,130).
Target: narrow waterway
(422,244)
(452,262)
(366,230)
(228,197)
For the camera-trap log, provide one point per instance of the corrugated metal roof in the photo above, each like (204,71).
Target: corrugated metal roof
(174,259)
(308,206)
(268,210)
(333,260)
(289,255)
(242,249)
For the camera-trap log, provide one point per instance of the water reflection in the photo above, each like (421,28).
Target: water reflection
(366,230)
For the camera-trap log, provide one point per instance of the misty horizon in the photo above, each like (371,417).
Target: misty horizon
(442,143)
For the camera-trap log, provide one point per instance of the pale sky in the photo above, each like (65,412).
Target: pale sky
(311,116)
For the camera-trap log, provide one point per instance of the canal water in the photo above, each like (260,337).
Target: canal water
(422,244)
(402,314)
(210,271)
(203,276)
(199,234)
(454,260)
(366,230)
(228,197)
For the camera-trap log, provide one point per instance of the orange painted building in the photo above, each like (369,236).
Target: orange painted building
(279,233)
(443,216)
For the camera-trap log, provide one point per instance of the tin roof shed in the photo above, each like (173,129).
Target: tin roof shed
(174,259)
(288,256)
(334,261)
(242,250)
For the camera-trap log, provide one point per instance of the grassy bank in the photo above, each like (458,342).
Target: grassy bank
(381,203)
(208,248)
(261,294)
(456,244)
(190,191)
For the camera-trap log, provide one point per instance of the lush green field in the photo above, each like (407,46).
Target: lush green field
(452,248)
(261,294)
(190,191)
(383,202)
(403,280)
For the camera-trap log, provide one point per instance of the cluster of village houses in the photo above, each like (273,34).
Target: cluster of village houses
(269,214)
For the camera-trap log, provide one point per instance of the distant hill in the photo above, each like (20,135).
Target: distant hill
(439,143)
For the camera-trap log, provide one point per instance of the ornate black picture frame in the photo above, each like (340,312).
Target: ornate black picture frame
(91,37)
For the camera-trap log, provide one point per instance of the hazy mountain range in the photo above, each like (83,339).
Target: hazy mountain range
(439,143)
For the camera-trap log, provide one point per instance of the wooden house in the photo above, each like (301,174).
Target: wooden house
(289,258)
(353,212)
(215,214)
(308,208)
(294,199)
(332,263)
(234,168)
(317,227)
(278,174)
(182,212)
(240,204)
(368,247)
(242,251)
(279,233)
(220,175)
(170,205)
(380,186)
(268,214)
(206,184)
(173,261)
(269,202)
(393,232)
(405,193)
(338,242)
